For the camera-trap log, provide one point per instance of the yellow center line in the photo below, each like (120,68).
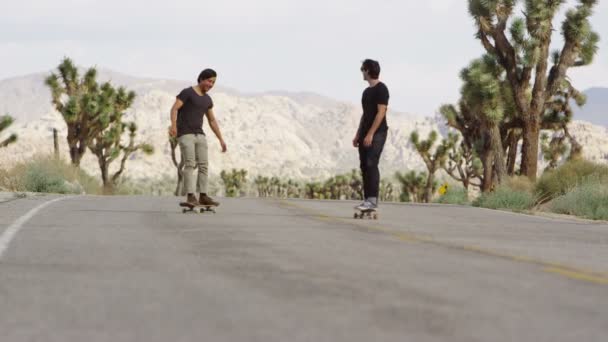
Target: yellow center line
(549,267)
(591,278)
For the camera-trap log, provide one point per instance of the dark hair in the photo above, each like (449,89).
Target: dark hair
(372,67)
(206,74)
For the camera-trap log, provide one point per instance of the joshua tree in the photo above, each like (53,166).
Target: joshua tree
(314,190)
(234,182)
(553,149)
(523,51)
(413,186)
(108,146)
(70,98)
(94,116)
(179,166)
(293,189)
(5,122)
(434,160)
(463,164)
(86,107)
(263,186)
(355,184)
(387,190)
(559,115)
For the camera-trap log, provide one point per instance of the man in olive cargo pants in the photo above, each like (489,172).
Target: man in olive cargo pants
(191,105)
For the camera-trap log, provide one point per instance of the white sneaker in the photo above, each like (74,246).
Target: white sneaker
(366,206)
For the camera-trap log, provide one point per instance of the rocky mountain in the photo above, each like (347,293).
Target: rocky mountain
(297,135)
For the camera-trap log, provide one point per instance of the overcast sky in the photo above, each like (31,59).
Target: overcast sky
(262,45)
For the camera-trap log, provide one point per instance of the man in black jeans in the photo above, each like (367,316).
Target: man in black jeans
(371,135)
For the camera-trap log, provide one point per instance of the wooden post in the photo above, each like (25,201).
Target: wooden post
(55,143)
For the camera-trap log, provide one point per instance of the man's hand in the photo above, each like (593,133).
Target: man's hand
(367,142)
(356,141)
(224,147)
(173,131)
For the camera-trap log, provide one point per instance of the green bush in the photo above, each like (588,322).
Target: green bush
(588,200)
(558,182)
(48,175)
(37,179)
(454,195)
(506,198)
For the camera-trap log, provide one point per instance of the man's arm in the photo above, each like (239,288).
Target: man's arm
(215,128)
(176,106)
(382,108)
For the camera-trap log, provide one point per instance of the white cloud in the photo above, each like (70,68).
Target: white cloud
(293,45)
(441,5)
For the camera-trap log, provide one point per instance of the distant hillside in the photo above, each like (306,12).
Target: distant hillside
(596,109)
(300,135)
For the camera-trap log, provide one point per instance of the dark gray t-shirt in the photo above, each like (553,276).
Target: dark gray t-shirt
(190,116)
(372,97)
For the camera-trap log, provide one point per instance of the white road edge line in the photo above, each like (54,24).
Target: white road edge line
(12,230)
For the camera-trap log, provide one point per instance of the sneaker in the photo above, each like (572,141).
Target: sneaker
(206,200)
(359,205)
(367,206)
(191,199)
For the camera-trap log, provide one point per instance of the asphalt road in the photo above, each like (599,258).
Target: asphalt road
(137,269)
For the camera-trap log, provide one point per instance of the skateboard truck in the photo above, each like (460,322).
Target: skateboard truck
(366,213)
(196,208)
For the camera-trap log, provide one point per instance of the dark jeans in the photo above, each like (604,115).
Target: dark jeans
(369,158)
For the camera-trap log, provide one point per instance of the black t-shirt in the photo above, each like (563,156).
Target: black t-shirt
(190,116)
(372,97)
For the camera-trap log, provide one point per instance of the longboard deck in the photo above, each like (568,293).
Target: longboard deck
(366,213)
(189,207)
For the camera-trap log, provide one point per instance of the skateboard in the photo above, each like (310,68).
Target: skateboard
(367,213)
(188,207)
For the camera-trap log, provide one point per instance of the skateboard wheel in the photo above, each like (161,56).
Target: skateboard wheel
(184,211)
